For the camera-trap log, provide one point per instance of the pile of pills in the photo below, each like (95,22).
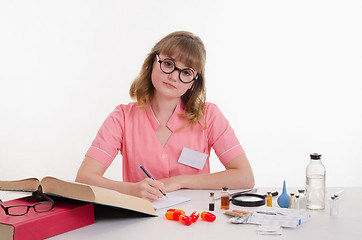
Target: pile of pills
(179,215)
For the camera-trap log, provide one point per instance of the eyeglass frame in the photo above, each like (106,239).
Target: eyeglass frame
(36,194)
(176,68)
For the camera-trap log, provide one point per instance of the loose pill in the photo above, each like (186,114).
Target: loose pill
(173,215)
(185,220)
(176,210)
(207,216)
(194,216)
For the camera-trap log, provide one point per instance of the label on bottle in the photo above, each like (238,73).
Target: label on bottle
(211,206)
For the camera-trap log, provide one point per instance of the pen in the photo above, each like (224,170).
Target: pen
(148,175)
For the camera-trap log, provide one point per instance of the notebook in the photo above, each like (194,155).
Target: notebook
(171,200)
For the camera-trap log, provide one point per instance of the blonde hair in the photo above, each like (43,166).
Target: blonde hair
(191,51)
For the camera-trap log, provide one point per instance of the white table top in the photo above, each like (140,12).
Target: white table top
(346,225)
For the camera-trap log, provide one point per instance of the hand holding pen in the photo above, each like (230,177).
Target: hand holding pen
(149,176)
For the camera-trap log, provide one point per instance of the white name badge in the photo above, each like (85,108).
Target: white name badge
(193,158)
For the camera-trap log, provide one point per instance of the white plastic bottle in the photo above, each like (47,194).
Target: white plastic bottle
(315,183)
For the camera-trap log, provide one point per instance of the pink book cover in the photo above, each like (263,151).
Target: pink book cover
(66,215)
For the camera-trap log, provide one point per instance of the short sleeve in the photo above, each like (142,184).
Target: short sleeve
(221,137)
(108,141)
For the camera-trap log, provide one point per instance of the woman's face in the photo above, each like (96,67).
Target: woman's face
(169,85)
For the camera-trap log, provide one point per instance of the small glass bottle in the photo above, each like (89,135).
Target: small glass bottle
(292,201)
(315,183)
(302,199)
(225,198)
(212,202)
(296,203)
(269,200)
(336,198)
(333,207)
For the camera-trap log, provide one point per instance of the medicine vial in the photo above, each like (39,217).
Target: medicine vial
(315,183)
(302,199)
(212,202)
(269,200)
(333,206)
(292,201)
(296,202)
(225,198)
(336,198)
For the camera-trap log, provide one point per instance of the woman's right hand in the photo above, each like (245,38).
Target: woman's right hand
(148,189)
(91,172)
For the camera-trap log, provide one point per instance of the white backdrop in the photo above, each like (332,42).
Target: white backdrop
(285,73)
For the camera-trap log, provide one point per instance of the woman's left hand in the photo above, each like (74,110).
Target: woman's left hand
(172,183)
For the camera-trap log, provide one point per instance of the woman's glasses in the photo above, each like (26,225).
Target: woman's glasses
(39,207)
(168,66)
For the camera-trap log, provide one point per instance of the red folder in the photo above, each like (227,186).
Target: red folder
(66,215)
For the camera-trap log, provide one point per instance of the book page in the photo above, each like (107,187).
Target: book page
(117,199)
(96,195)
(171,200)
(29,185)
(6,231)
(72,190)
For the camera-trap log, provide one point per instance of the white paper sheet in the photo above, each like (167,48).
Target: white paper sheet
(273,216)
(269,230)
(171,200)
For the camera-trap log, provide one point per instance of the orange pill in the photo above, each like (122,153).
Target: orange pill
(173,215)
(207,216)
(185,220)
(175,210)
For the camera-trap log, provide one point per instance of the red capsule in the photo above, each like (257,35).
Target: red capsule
(194,216)
(207,216)
(175,210)
(185,220)
(170,215)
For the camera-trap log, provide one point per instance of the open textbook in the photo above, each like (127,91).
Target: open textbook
(82,192)
(97,195)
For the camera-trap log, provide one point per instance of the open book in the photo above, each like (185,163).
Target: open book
(82,192)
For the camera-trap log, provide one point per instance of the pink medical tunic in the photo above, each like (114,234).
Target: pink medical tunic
(132,132)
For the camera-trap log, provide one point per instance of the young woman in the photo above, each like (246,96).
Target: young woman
(169,129)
